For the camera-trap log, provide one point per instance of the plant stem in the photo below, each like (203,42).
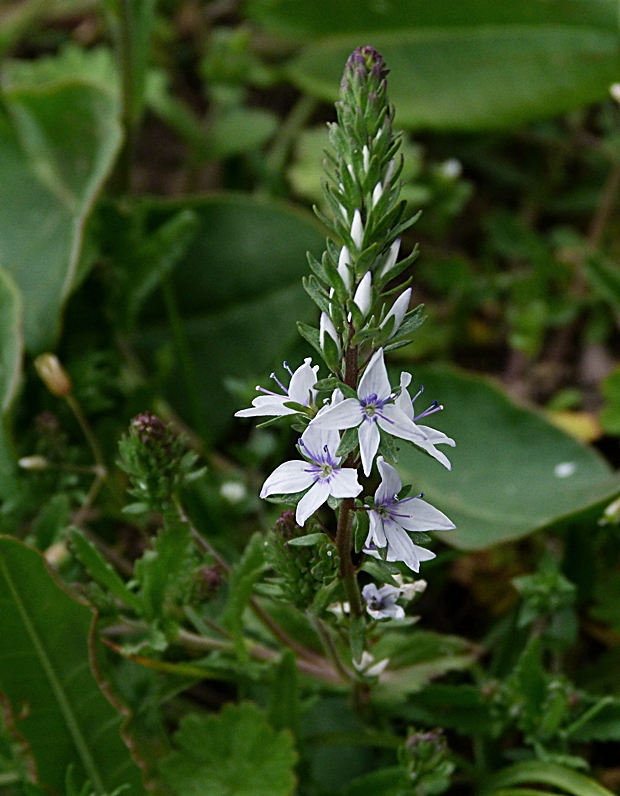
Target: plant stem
(269,622)
(330,647)
(345,516)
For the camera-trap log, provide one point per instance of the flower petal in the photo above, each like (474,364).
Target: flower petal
(288,478)
(376,533)
(395,422)
(346,414)
(311,501)
(302,383)
(403,401)
(344,484)
(415,514)
(430,448)
(369,438)
(375,379)
(400,547)
(315,439)
(390,484)
(267,405)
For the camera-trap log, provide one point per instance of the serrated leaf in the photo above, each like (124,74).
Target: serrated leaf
(235,752)
(242,579)
(99,569)
(68,720)
(163,572)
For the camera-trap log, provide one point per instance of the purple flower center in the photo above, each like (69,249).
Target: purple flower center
(371,406)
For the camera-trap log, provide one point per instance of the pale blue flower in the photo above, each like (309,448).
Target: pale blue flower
(381,603)
(319,472)
(300,391)
(431,436)
(374,408)
(391,518)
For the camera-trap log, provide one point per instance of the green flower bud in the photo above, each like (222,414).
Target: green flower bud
(157,460)
(301,571)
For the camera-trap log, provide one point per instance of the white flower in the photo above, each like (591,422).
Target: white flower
(392,518)
(371,410)
(300,391)
(432,437)
(357,230)
(391,258)
(614,90)
(320,470)
(344,261)
(326,326)
(381,603)
(366,665)
(363,296)
(398,311)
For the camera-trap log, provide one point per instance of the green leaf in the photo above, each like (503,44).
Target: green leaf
(11,354)
(309,540)
(11,343)
(379,570)
(512,472)
(235,752)
(99,569)
(602,274)
(44,664)
(164,571)
(545,774)
(348,442)
(416,658)
(357,636)
(456,707)
(450,61)
(239,293)
(57,148)
(383,782)
(284,704)
(243,577)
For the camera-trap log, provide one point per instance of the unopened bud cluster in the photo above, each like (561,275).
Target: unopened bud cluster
(157,459)
(426,757)
(363,191)
(300,571)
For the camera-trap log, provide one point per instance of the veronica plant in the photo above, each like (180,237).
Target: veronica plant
(361,413)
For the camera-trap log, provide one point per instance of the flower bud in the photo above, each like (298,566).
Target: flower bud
(327,332)
(363,294)
(33,463)
(398,311)
(391,258)
(357,230)
(344,261)
(53,375)
(377,194)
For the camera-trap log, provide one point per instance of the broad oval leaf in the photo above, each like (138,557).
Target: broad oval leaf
(468,66)
(239,294)
(55,702)
(512,472)
(57,147)
(326,18)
